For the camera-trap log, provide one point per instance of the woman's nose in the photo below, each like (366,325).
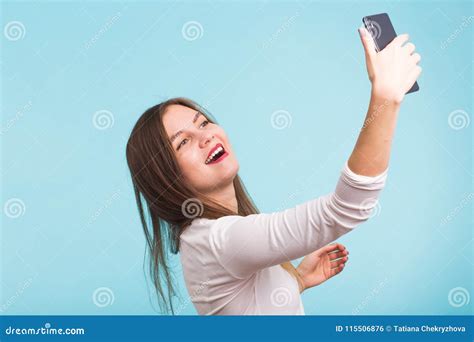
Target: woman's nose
(206,139)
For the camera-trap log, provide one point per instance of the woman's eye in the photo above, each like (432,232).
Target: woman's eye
(204,123)
(182,143)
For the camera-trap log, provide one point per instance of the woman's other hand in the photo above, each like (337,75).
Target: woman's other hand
(392,71)
(319,266)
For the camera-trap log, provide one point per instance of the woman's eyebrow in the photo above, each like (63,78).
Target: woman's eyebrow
(174,136)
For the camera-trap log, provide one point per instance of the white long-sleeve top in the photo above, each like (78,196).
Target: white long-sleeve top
(231,265)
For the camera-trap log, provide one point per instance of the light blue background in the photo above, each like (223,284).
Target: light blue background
(80,231)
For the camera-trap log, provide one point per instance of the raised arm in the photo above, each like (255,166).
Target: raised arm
(243,245)
(392,72)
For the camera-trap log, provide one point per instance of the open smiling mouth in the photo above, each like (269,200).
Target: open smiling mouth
(218,154)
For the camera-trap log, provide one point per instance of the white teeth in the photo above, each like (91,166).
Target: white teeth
(218,150)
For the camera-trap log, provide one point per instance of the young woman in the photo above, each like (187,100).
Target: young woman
(236,260)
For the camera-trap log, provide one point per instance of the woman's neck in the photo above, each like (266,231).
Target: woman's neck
(226,197)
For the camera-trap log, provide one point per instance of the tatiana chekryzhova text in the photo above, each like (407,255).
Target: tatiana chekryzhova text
(428,328)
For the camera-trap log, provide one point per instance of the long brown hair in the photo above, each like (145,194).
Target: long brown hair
(161,191)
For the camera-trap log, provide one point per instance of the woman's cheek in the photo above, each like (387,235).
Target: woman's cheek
(192,162)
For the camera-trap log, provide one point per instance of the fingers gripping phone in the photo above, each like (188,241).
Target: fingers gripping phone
(382,32)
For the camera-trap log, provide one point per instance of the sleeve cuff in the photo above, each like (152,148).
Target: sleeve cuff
(361,181)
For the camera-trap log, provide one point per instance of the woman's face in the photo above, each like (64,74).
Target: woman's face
(194,139)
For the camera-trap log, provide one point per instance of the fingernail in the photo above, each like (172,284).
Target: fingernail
(362,31)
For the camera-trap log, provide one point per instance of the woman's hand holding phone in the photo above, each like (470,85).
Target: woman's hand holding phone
(392,71)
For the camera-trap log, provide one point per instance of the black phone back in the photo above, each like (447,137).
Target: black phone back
(382,31)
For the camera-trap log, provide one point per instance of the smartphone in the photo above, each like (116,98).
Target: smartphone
(382,31)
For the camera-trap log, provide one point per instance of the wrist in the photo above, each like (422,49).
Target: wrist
(388,98)
(300,279)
